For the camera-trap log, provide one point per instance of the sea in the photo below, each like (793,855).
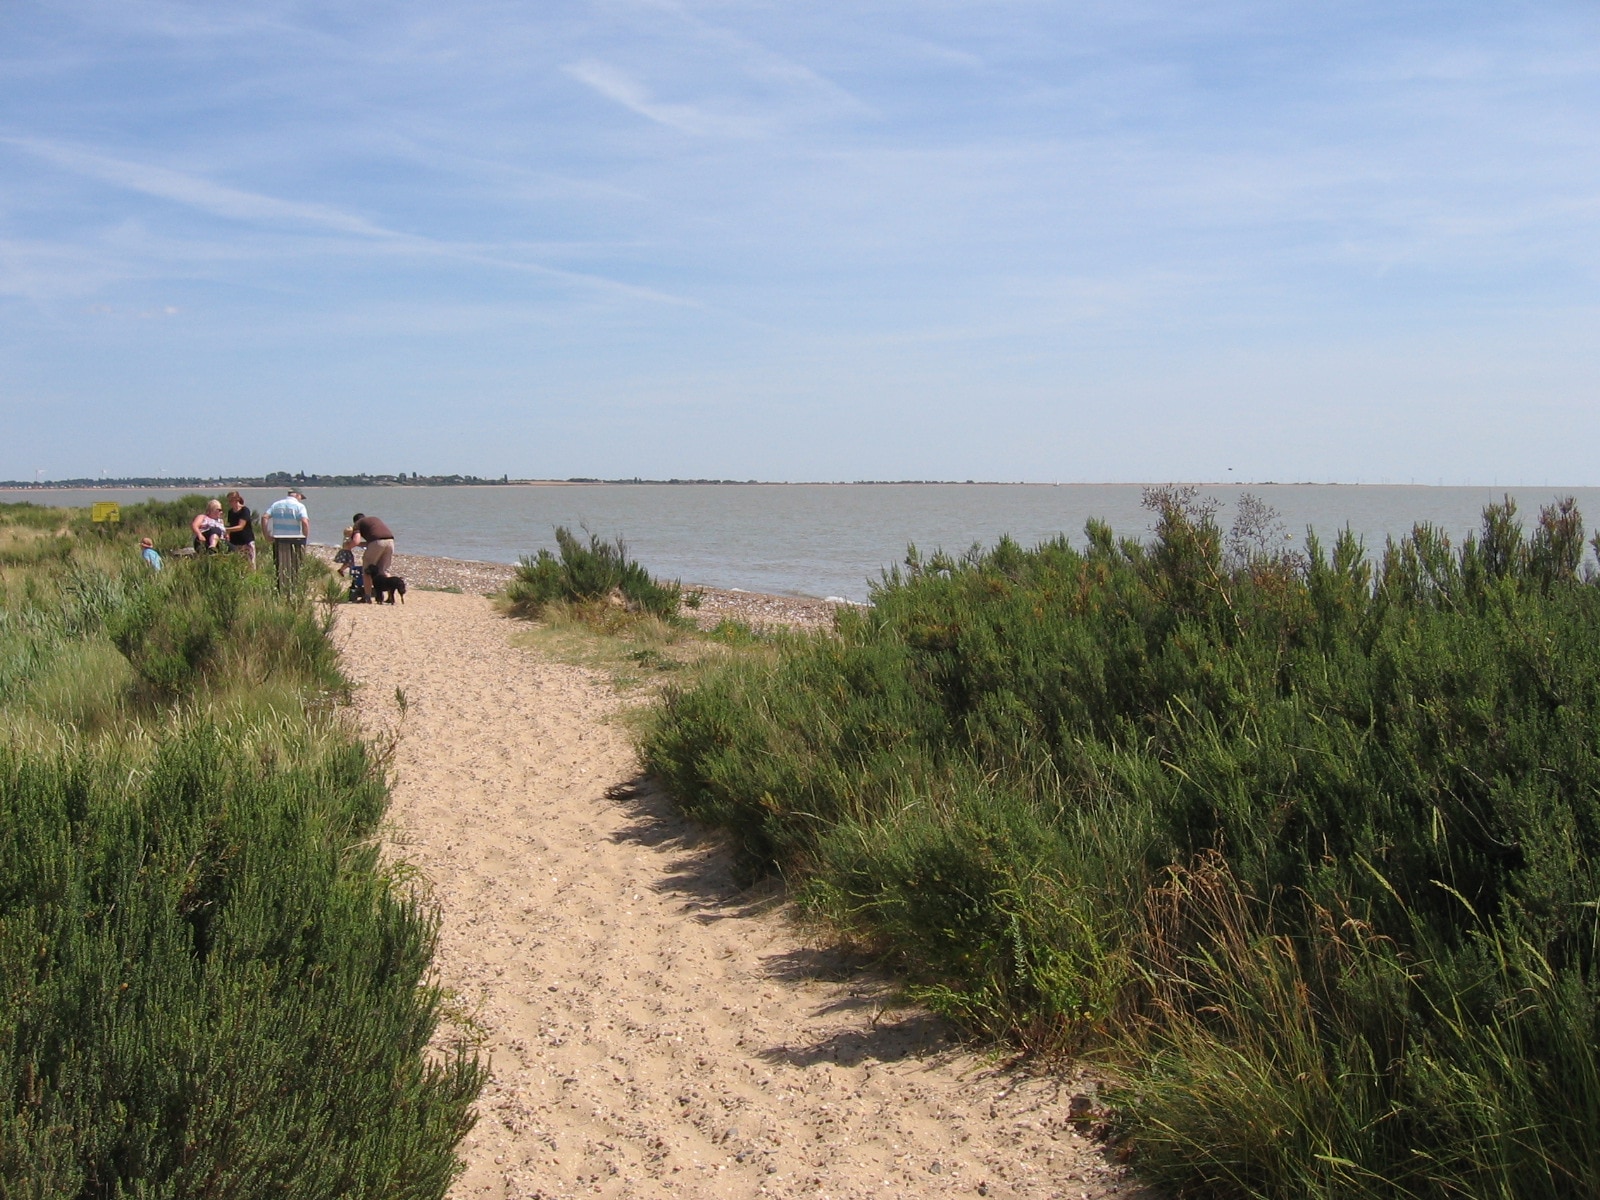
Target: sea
(830,540)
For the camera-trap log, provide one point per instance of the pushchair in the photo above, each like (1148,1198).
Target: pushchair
(357,573)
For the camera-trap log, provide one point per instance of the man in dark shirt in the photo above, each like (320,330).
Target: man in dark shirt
(377,549)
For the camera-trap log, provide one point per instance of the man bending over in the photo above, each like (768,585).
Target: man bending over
(377,552)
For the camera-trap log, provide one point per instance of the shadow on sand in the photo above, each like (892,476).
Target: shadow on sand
(700,869)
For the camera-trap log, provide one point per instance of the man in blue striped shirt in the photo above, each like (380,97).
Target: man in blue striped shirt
(288,524)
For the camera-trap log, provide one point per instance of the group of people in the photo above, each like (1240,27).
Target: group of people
(287,525)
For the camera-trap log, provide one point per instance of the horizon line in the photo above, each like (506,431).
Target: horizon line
(364,479)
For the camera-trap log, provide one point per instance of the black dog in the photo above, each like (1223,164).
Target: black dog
(386,588)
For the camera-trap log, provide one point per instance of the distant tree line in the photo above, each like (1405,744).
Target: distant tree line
(272,479)
(413,479)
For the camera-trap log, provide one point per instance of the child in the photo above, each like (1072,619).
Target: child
(147,551)
(344,556)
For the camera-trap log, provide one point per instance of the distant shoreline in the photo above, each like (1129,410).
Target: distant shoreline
(312,481)
(387,481)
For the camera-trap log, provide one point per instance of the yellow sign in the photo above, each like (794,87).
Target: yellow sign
(106,511)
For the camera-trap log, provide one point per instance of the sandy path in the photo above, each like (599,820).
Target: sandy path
(654,1031)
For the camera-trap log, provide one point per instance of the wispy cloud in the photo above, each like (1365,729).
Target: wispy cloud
(186,22)
(616,85)
(194,191)
(743,89)
(41,271)
(935,52)
(197,192)
(165,312)
(759,60)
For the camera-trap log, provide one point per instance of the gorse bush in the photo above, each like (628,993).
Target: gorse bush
(208,625)
(596,571)
(212,986)
(175,627)
(215,615)
(152,516)
(1311,844)
(211,991)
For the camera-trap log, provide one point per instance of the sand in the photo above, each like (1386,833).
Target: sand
(654,1030)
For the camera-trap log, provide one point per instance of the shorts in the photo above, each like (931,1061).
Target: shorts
(376,555)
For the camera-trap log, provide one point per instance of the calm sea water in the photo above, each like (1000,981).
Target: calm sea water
(827,539)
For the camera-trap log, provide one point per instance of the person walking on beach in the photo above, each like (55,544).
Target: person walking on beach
(241,532)
(377,552)
(288,524)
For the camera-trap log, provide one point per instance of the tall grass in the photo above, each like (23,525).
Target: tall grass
(1306,843)
(212,985)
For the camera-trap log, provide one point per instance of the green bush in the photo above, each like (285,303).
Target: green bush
(164,521)
(1311,843)
(212,986)
(176,626)
(167,521)
(28,515)
(598,571)
(211,990)
(213,615)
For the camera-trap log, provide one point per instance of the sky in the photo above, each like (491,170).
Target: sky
(1146,240)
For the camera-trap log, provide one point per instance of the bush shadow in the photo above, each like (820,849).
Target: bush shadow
(702,870)
(909,1034)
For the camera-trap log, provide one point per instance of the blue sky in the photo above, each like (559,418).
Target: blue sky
(1005,240)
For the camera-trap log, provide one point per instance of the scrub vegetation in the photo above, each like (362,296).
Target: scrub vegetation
(212,985)
(1304,846)
(589,576)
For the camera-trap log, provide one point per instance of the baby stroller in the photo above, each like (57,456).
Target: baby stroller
(357,572)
